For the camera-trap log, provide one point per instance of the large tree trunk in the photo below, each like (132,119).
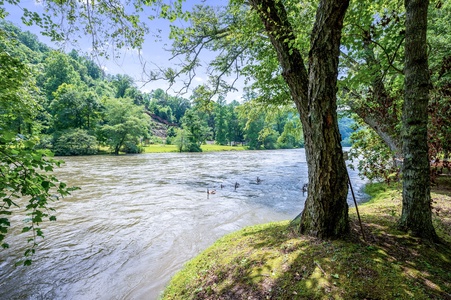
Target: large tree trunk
(416,210)
(325,214)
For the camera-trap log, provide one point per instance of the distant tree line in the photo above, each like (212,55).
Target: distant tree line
(80,109)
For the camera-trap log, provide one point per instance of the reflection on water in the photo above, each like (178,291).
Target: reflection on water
(138,218)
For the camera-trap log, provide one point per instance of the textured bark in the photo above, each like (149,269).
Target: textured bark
(325,214)
(416,211)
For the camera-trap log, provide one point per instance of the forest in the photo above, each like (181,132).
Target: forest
(80,109)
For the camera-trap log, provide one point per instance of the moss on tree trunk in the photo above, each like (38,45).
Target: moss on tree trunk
(416,210)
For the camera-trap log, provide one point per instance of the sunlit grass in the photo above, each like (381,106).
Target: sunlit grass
(272,261)
(210,148)
(161,148)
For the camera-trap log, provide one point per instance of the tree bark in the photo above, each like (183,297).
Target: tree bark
(416,211)
(325,214)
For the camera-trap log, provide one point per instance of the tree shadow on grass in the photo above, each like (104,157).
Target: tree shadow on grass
(274,263)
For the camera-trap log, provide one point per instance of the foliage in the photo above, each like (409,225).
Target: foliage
(58,70)
(72,107)
(270,126)
(375,160)
(132,147)
(234,125)
(346,126)
(27,185)
(170,108)
(221,119)
(69,21)
(181,141)
(75,142)
(80,84)
(268,138)
(439,134)
(27,181)
(439,129)
(125,123)
(122,83)
(194,133)
(291,137)
(17,106)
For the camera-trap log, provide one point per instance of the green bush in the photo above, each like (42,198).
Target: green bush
(132,148)
(75,142)
(374,159)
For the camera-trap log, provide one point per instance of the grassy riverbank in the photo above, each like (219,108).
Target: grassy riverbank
(271,262)
(205,148)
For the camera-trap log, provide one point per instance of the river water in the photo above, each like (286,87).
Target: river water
(138,218)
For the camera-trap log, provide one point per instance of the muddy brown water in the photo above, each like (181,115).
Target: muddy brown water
(138,218)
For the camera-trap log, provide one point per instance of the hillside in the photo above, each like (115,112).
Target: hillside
(159,129)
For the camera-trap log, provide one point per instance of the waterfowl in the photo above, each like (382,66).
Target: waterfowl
(211,192)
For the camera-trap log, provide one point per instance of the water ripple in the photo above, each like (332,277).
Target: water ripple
(138,218)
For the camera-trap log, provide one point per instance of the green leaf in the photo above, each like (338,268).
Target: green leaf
(26,229)
(45,185)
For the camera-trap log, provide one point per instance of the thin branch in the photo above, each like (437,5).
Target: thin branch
(390,60)
(218,77)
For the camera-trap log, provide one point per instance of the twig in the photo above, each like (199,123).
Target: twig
(356,206)
(317,263)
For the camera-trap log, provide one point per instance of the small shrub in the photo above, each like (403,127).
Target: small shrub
(75,142)
(132,148)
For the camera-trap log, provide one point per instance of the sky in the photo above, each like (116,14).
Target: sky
(131,62)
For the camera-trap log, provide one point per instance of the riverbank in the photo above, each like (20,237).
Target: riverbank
(162,148)
(271,262)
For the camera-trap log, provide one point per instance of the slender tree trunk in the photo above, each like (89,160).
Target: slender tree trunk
(325,214)
(416,210)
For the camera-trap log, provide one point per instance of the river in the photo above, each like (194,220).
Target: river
(138,218)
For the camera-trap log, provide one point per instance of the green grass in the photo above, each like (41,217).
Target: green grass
(161,148)
(211,148)
(271,261)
